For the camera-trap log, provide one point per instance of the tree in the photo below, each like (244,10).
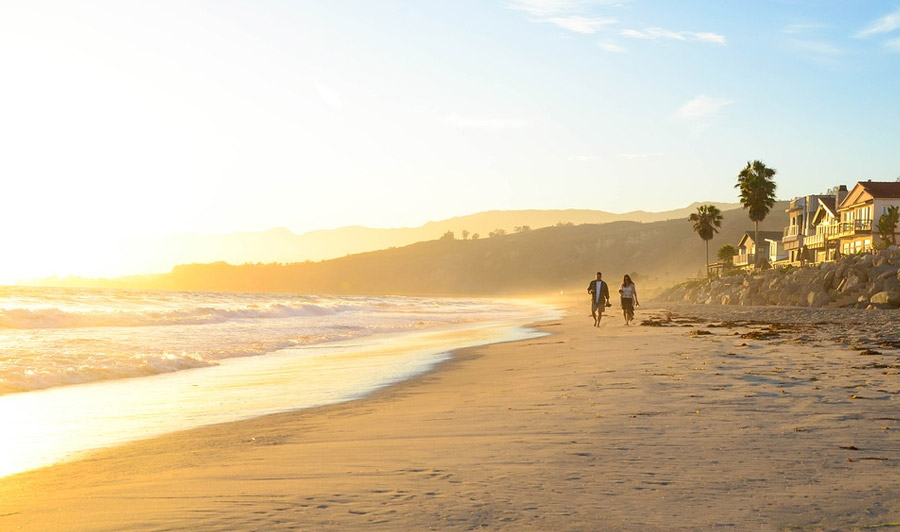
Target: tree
(522,228)
(887,225)
(465,234)
(757,193)
(448,236)
(726,253)
(475,236)
(497,232)
(707,221)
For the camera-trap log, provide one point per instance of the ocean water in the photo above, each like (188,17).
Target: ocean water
(82,369)
(55,337)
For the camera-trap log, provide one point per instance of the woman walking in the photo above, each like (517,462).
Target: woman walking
(629,298)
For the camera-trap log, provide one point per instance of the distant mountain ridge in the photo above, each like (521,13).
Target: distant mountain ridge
(558,257)
(161,253)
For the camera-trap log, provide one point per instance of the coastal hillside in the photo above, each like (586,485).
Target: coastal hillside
(157,253)
(560,257)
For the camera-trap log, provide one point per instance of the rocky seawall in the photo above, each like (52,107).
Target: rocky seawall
(858,281)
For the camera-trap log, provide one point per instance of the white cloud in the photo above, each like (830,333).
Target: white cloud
(660,33)
(634,34)
(587,25)
(614,48)
(885,24)
(582,158)
(700,111)
(569,15)
(469,122)
(707,37)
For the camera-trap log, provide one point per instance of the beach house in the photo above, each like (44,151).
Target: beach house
(770,247)
(774,246)
(801,213)
(859,212)
(822,244)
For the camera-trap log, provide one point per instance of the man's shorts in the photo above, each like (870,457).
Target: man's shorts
(598,306)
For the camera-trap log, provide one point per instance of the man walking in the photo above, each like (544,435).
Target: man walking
(599,298)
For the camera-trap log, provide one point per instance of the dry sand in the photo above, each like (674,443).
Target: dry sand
(618,428)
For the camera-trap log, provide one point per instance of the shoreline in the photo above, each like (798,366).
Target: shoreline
(60,424)
(638,428)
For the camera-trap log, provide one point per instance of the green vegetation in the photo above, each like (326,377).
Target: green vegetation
(757,193)
(707,221)
(887,225)
(548,259)
(726,253)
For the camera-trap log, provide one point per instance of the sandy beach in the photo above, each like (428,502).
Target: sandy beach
(704,418)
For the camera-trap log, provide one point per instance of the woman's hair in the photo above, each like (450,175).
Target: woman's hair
(627,280)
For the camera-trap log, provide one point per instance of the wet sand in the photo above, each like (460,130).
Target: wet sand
(706,418)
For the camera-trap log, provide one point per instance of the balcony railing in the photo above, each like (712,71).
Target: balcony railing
(853,227)
(836,230)
(814,241)
(829,230)
(744,259)
(791,231)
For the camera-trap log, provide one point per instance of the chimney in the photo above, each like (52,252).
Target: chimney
(839,195)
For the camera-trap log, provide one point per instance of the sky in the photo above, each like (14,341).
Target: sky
(123,117)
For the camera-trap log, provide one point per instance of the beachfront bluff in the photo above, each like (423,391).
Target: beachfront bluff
(867,280)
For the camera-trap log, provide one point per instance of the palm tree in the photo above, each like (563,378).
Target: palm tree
(726,253)
(707,221)
(757,194)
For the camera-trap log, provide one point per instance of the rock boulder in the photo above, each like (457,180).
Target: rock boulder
(886,299)
(818,298)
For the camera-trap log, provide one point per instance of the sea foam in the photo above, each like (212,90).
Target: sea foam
(58,337)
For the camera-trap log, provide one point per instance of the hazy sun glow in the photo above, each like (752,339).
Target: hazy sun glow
(121,118)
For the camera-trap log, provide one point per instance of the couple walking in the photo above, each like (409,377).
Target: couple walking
(600,298)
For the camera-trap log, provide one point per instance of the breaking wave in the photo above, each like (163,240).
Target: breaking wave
(55,318)
(59,337)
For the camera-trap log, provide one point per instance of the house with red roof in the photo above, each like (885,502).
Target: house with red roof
(859,212)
